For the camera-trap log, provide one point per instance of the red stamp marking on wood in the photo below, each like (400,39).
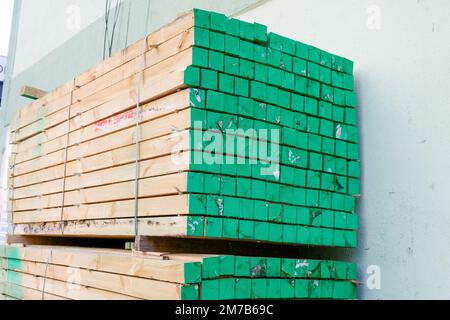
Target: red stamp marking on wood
(115,121)
(121,119)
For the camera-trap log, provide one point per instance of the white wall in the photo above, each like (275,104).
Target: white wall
(403,83)
(6,10)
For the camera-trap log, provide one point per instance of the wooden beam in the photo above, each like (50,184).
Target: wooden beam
(55,139)
(150,149)
(215,247)
(185,22)
(148,169)
(150,187)
(117,284)
(159,206)
(173,30)
(159,80)
(54,241)
(61,288)
(108,228)
(32,93)
(61,97)
(149,130)
(120,88)
(120,262)
(23,293)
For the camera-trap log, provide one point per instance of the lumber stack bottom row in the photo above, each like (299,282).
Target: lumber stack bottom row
(60,273)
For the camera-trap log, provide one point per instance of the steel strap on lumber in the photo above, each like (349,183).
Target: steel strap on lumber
(66,154)
(45,273)
(138,137)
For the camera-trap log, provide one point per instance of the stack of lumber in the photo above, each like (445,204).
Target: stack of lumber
(208,129)
(75,171)
(40,272)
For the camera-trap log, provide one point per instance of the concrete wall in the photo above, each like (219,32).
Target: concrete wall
(402,53)
(65,19)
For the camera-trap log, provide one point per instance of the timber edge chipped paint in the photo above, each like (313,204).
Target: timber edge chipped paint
(246,78)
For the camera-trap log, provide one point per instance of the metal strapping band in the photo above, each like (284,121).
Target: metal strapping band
(66,155)
(45,273)
(138,138)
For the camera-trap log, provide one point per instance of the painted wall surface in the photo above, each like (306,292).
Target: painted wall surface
(59,21)
(65,19)
(402,56)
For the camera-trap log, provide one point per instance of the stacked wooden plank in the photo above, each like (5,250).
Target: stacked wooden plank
(67,141)
(75,169)
(40,272)
(210,128)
